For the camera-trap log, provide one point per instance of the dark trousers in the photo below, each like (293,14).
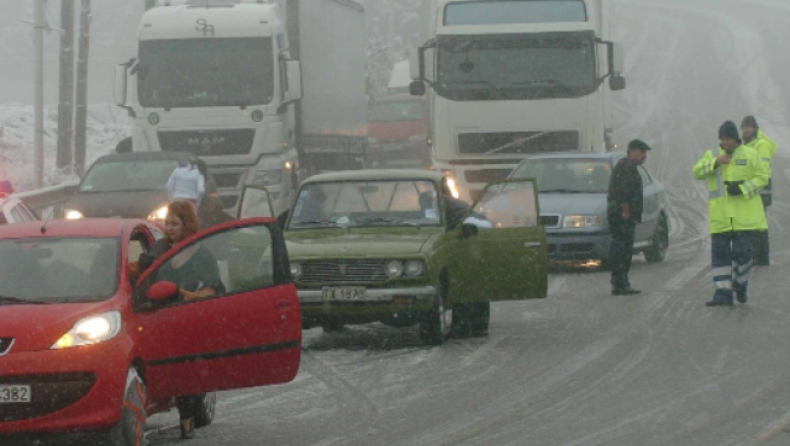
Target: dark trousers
(188,406)
(732,263)
(762,252)
(621,250)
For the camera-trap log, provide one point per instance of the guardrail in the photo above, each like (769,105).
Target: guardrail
(48,202)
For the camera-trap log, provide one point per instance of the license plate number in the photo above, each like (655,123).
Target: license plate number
(15,394)
(344,293)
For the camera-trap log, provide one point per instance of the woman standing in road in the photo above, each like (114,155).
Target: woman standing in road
(195,272)
(187,183)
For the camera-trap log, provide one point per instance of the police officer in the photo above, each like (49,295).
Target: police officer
(766,148)
(735,174)
(624,211)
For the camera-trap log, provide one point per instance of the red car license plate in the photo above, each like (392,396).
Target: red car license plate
(15,394)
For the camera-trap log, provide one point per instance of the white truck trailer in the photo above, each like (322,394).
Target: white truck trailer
(263,91)
(510,78)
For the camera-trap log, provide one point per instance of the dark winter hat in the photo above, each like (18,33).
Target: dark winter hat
(729,130)
(750,121)
(638,144)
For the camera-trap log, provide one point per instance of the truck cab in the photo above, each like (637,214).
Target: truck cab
(513,78)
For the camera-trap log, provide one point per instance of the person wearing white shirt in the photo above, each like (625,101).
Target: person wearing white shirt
(186,183)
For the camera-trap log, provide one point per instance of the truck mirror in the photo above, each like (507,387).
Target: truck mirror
(617,83)
(417,88)
(415,63)
(294,70)
(120,85)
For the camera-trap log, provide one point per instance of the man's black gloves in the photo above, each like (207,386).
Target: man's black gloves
(734,188)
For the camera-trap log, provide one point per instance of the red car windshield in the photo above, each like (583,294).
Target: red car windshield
(58,270)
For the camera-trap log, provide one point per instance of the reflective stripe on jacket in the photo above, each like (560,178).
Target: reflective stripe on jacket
(734,213)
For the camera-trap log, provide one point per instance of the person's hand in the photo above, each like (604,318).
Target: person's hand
(734,189)
(626,212)
(723,159)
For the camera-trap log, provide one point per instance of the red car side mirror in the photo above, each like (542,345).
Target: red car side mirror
(162,290)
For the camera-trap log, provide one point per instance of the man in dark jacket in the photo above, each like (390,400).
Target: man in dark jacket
(624,211)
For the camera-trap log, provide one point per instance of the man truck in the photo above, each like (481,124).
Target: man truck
(510,78)
(264,91)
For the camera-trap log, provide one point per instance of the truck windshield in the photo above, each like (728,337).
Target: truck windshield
(514,12)
(206,72)
(357,204)
(516,66)
(38,271)
(401,111)
(567,175)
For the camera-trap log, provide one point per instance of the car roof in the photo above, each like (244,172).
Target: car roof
(144,156)
(90,227)
(377,175)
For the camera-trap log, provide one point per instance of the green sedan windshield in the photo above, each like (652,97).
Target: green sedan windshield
(367,204)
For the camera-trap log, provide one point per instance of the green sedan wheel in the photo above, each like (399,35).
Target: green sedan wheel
(438,321)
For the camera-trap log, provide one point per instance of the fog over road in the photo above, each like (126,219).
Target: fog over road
(582,367)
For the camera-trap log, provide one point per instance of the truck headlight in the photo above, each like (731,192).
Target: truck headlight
(582,221)
(265,178)
(158,215)
(91,330)
(73,214)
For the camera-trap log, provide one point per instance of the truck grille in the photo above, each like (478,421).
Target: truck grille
(208,142)
(522,143)
(346,271)
(230,180)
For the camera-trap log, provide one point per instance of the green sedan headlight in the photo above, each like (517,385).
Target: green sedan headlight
(394,269)
(296,270)
(582,221)
(415,268)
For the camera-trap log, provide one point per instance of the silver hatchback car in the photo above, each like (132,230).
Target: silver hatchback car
(573,187)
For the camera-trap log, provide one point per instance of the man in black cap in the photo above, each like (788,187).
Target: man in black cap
(735,174)
(624,211)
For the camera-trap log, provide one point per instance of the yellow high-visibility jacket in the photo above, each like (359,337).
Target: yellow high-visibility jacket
(734,213)
(765,147)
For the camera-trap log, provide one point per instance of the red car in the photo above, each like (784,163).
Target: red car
(85,351)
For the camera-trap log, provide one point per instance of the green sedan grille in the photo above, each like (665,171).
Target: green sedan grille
(344,271)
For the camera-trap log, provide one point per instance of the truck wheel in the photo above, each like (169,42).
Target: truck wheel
(435,326)
(658,250)
(206,410)
(130,431)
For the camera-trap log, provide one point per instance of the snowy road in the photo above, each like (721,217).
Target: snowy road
(582,367)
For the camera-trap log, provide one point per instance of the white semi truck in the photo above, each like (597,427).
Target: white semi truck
(263,91)
(510,78)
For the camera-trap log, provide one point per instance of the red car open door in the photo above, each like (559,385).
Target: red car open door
(246,333)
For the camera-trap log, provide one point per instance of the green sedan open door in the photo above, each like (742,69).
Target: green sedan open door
(501,251)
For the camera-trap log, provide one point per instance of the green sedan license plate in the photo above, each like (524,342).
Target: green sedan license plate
(344,293)
(14,394)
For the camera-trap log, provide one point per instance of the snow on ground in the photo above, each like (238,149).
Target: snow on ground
(107,124)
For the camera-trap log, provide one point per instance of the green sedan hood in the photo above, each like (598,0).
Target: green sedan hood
(334,243)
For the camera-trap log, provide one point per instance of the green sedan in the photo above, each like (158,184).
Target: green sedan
(389,246)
